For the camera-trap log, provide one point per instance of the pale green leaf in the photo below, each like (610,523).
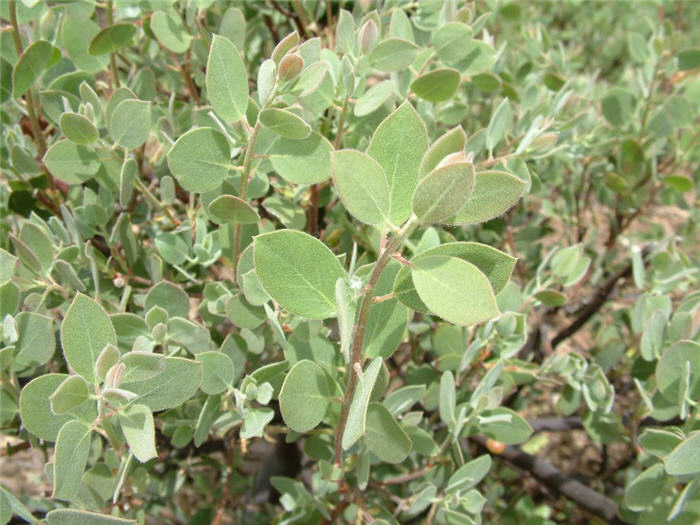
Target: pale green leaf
(500,124)
(494,193)
(177,383)
(298,271)
(357,415)
(452,141)
(112,38)
(84,517)
(362,185)
(233,210)
(130,123)
(217,372)
(80,345)
(136,422)
(285,123)
(70,459)
(437,85)
(170,31)
(454,289)
(443,192)
(374,98)
(69,394)
(305,161)
(393,54)
(226,80)
(78,128)
(304,397)
(451,41)
(385,438)
(200,159)
(71,163)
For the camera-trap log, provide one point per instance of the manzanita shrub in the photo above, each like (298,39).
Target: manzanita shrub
(294,225)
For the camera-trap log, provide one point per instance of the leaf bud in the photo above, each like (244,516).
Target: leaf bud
(290,67)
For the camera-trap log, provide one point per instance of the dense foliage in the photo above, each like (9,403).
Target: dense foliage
(350,262)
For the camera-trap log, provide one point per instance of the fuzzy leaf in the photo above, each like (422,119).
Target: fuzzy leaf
(137,424)
(443,192)
(200,159)
(494,193)
(357,415)
(385,438)
(226,80)
(304,397)
(70,459)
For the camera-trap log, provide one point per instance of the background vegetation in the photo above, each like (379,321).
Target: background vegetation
(227,295)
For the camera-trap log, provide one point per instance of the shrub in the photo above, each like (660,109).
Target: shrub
(227,224)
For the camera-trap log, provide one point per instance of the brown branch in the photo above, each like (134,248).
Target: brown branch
(599,298)
(555,480)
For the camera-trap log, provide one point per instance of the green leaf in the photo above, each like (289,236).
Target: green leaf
(136,422)
(398,144)
(393,54)
(226,80)
(469,475)
(443,192)
(217,372)
(35,407)
(69,394)
(255,421)
(689,59)
(170,297)
(80,346)
(437,85)
(285,123)
(357,414)
(304,397)
(454,289)
(504,425)
(305,161)
(83,517)
(206,419)
(200,159)
(36,343)
(71,163)
(384,437)
(451,41)
(671,370)
(78,128)
(448,399)
(551,298)
(494,193)
(362,185)
(70,459)
(452,141)
(345,33)
(496,265)
(170,31)
(177,383)
(112,38)
(374,98)
(30,65)
(659,442)
(231,209)
(298,271)
(618,106)
(645,487)
(500,124)
(130,123)
(77,35)
(141,366)
(684,460)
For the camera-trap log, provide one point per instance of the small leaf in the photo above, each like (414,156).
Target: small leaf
(71,163)
(357,414)
(81,346)
(362,185)
(36,343)
(500,124)
(70,459)
(112,38)
(454,289)
(170,31)
(448,399)
(451,41)
(78,128)
(35,407)
(231,209)
(141,366)
(398,144)
(618,106)
(285,123)
(452,141)
(305,161)
(393,54)
(684,460)
(443,192)
(385,438)
(217,372)
(69,394)
(170,297)
(173,386)
(304,397)
(645,487)
(30,64)
(437,85)
(136,422)
(511,430)
(671,368)
(551,298)
(200,159)
(494,193)
(226,80)
(298,271)
(469,475)
(130,123)
(374,98)
(84,517)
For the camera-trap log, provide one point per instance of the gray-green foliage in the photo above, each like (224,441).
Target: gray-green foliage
(390,234)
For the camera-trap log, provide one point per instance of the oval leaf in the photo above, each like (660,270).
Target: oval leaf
(443,192)
(200,159)
(385,438)
(304,397)
(494,193)
(285,123)
(226,80)
(231,209)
